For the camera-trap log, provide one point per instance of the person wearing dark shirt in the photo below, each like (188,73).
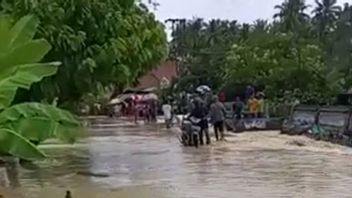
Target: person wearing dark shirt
(249,92)
(238,107)
(200,111)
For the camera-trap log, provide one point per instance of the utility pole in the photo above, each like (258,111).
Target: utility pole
(175,49)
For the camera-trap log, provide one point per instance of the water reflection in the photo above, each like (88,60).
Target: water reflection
(125,160)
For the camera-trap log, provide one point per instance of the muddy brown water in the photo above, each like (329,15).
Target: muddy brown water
(121,159)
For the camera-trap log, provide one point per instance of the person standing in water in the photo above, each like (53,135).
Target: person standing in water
(222,96)
(237,108)
(167,111)
(200,112)
(261,105)
(249,93)
(253,106)
(217,118)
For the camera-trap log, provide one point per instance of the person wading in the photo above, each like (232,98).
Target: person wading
(167,110)
(237,108)
(200,111)
(261,105)
(217,118)
(253,106)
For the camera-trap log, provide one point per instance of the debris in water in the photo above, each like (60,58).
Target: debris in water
(87,173)
(68,194)
(297,143)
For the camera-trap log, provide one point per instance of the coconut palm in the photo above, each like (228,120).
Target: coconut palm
(292,14)
(325,16)
(260,26)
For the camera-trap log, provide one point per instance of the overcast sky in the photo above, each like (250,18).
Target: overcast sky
(241,10)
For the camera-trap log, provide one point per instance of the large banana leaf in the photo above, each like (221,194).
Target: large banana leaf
(19,55)
(37,129)
(19,68)
(5,26)
(14,144)
(39,122)
(27,53)
(13,36)
(23,77)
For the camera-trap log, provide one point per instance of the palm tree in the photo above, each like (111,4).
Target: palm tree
(325,17)
(261,26)
(292,14)
(244,32)
(346,14)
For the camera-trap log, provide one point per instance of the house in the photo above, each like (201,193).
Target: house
(160,76)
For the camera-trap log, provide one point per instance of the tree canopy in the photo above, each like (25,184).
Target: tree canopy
(100,43)
(305,54)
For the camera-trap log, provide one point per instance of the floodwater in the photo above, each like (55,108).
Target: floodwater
(121,159)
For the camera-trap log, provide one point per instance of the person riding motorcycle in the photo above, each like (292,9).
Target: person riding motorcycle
(201,112)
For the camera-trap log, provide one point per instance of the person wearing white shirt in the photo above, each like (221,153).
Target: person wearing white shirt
(167,110)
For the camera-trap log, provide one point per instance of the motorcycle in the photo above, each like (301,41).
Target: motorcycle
(190,131)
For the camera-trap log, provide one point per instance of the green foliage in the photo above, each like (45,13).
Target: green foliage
(100,43)
(200,48)
(39,122)
(272,62)
(14,144)
(22,123)
(297,56)
(292,15)
(325,17)
(19,54)
(339,51)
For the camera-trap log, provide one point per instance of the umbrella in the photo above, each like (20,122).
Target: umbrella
(150,96)
(115,101)
(124,97)
(137,97)
(150,90)
(130,91)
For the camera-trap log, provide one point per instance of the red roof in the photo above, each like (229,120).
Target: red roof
(153,78)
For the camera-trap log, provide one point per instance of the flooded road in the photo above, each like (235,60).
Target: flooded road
(120,159)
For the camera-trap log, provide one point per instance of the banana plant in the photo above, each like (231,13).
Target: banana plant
(24,126)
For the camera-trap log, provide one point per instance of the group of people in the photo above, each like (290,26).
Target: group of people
(210,110)
(213,112)
(254,102)
(145,110)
